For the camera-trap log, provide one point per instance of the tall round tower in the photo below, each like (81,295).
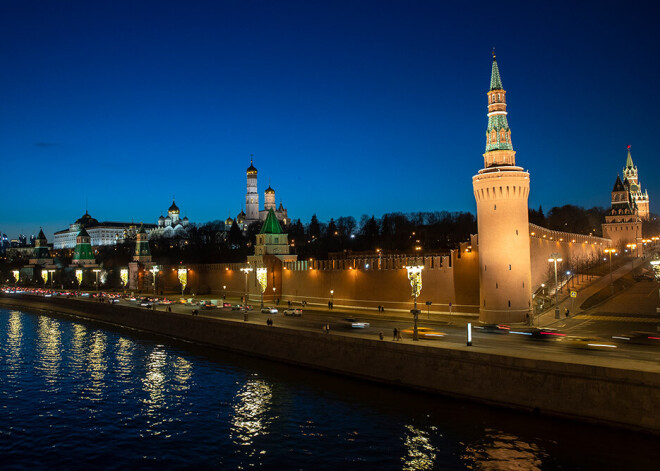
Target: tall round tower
(501,190)
(251,197)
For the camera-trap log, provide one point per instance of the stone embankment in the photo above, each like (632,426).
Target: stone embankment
(601,394)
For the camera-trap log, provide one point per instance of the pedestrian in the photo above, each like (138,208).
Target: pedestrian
(380,335)
(568,314)
(327,328)
(289,303)
(169,308)
(395,334)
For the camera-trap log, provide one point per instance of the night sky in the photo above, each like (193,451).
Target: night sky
(349,108)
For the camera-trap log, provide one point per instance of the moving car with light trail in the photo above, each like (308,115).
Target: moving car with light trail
(353,323)
(424,333)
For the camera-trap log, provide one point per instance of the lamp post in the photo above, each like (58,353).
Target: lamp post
(52,275)
(154,274)
(415,277)
(610,252)
(123,276)
(247,271)
(17,275)
(332,298)
(183,278)
(632,247)
(96,272)
(44,277)
(262,278)
(555,258)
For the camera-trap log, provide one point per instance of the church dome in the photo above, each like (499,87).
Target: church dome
(185,218)
(161,218)
(251,169)
(174,208)
(270,191)
(229,222)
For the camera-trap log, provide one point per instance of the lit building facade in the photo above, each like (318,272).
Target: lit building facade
(170,226)
(501,190)
(100,233)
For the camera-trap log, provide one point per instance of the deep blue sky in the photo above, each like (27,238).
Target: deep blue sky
(348,107)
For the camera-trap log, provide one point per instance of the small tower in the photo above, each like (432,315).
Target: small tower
(622,223)
(142,251)
(83,255)
(501,190)
(41,254)
(269,199)
(271,240)
(251,197)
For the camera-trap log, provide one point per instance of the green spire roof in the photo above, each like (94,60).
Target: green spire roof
(495,80)
(83,233)
(271,224)
(142,230)
(41,234)
(629,162)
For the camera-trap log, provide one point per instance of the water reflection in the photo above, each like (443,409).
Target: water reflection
(13,345)
(420,451)
(252,415)
(49,350)
(500,450)
(153,382)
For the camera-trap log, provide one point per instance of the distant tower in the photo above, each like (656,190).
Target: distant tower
(41,254)
(269,199)
(83,255)
(501,190)
(142,251)
(641,199)
(251,197)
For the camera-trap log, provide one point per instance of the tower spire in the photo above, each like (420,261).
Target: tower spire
(499,148)
(629,161)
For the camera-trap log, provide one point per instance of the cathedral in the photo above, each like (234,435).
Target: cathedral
(172,225)
(252,212)
(629,206)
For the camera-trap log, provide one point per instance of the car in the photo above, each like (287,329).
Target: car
(208,305)
(539,333)
(425,333)
(269,310)
(226,304)
(114,301)
(239,307)
(639,338)
(293,311)
(493,328)
(353,323)
(166,301)
(145,303)
(588,343)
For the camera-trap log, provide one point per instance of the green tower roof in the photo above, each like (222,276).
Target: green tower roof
(495,80)
(83,233)
(629,162)
(271,224)
(41,235)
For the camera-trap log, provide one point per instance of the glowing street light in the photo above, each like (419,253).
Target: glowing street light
(555,258)
(247,271)
(154,273)
(44,277)
(610,252)
(17,275)
(79,276)
(52,275)
(415,277)
(183,278)
(96,272)
(632,247)
(123,276)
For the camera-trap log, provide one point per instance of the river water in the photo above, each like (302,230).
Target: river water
(77,395)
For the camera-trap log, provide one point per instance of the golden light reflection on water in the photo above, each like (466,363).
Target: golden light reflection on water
(49,349)
(500,450)
(252,415)
(89,358)
(420,452)
(182,374)
(153,382)
(14,341)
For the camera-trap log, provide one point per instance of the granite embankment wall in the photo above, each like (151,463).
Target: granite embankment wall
(620,397)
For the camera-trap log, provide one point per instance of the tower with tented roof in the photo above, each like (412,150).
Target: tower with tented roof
(501,190)
(640,198)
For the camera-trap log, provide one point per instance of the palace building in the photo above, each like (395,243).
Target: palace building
(100,233)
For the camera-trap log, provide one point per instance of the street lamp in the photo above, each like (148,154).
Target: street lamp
(123,276)
(332,298)
(415,277)
(247,271)
(610,252)
(17,275)
(79,277)
(96,272)
(632,247)
(154,274)
(555,258)
(44,277)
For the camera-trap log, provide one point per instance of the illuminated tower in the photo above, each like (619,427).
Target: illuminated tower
(82,254)
(251,197)
(142,251)
(640,198)
(501,190)
(269,199)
